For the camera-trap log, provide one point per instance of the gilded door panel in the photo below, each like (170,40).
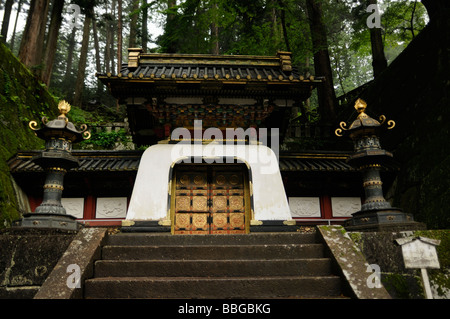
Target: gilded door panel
(200,222)
(182,221)
(209,199)
(219,221)
(227,196)
(182,201)
(219,203)
(236,203)
(200,201)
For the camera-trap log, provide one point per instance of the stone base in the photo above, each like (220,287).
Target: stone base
(394,227)
(53,221)
(388,219)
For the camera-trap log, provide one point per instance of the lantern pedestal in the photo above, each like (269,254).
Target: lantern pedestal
(388,219)
(47,220)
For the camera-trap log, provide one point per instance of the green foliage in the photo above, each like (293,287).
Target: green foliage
(264,27)
(106,140)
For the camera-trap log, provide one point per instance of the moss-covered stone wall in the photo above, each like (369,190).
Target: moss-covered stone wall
(22,99)
(381,249)
(28,257)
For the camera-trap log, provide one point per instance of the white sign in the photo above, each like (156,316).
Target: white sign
(419,252)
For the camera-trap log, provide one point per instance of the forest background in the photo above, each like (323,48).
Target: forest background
(65,43)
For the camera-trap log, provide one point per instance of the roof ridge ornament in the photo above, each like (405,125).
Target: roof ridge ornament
(363,120)
(64,108)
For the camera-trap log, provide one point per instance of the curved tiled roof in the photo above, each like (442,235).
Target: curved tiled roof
(207,68)
(115,161)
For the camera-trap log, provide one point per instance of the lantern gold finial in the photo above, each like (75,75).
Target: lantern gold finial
(360,105)
(63,108)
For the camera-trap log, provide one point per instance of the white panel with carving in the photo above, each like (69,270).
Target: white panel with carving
(111,207)
(73,206)
(345,206)
(304,206)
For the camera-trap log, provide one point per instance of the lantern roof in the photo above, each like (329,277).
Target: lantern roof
(60,127)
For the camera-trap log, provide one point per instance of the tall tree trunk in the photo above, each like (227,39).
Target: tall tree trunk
(133,24)
(41,39)
(171,42)
(379,62)
(52,38)
(283,24)
(119,43)
(6,16)
(79,85)
(107,44)
(13,37)
(119,36)
(275,29)
(113,29)
(144,25)
(215,30)
(98,64)
(68,74)
(322,67)
(31,44)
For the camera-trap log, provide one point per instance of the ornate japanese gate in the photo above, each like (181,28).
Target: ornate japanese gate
(210,199)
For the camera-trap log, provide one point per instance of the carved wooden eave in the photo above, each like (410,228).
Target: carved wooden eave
(202,74)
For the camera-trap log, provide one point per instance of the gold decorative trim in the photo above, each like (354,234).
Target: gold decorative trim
(57,169)
(127,223)
(339,131)
(372,183)
(377,199)
(255,222)
(33,125)
(165,222)
(53,186)
(289,222)
(391,124)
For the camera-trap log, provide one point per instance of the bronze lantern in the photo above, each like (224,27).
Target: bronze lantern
(59,135)
(376,213)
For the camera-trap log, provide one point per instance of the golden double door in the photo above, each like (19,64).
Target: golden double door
(210,199)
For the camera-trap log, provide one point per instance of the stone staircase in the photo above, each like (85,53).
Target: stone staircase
(257,265)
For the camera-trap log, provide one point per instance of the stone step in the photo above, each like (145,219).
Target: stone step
(213,268)
(211,252)
(203,287)
(160,239)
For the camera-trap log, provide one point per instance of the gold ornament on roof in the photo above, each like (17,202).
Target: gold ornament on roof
(64,108)
(363,120)
(360,105)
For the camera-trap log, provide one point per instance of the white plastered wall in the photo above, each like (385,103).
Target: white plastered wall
(149,200)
